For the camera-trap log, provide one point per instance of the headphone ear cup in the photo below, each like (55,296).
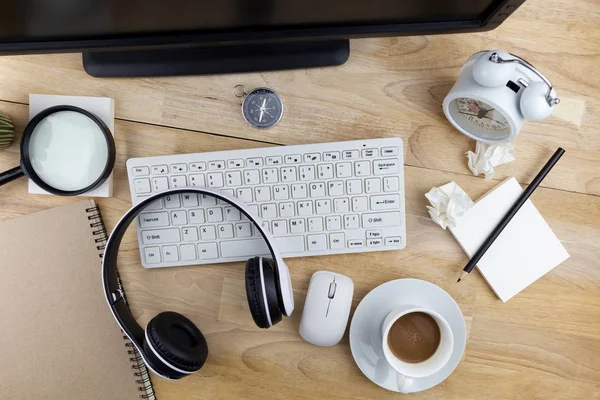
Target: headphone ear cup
(176,341)
(534,104)
(491,74)
(261,291)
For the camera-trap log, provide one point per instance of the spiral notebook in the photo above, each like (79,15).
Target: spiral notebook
(58,339)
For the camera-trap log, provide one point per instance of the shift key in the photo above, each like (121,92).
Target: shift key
(159,236)
(379,220)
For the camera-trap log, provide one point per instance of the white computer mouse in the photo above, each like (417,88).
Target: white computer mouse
(326,308)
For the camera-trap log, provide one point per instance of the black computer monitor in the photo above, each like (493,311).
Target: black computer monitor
(174,37)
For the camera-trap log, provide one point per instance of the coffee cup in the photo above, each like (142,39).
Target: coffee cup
(417,342)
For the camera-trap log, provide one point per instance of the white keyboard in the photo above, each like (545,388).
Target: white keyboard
(317,199)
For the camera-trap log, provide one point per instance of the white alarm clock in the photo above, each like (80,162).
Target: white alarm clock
(496,92)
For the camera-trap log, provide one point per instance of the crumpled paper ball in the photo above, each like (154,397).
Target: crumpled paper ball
(448,203)
(489,156)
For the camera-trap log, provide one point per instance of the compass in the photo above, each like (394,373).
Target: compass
(262,108)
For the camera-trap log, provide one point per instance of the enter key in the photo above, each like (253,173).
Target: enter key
(385,202)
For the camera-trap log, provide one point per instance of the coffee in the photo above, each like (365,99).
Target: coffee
(414,337)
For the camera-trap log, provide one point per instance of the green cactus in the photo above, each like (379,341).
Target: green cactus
(7,131)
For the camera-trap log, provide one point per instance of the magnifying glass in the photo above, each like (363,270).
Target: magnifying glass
(65,150)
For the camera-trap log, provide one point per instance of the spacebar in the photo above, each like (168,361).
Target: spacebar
(258,247)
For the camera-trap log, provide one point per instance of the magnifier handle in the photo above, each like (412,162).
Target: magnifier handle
(11,175)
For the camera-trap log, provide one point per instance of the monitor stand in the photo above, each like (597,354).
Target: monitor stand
(216,59)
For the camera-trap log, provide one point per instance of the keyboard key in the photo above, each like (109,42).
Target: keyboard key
(266,226)
(208,232)
(315,224)
(299,191)
(176,168)
(208,200)
(374,234)
(232,214)
(341,205)
(333,223)
(269,175)
(393,241)
(160,236)
(336,188)
(380,220)
(197,166)
(154,220)
(141,185)
(351,221)
(197,216)
(279,227)
(370,153)
(172,201)
(160,183)
(190,200)
(207,251)
(385,202)
(336,241)
(244,194)
(386,167)
(391,184)
(353,186)
(190,234)
(293,159)
(244,248)
(288,174)
(237,163)
(140,171)
(197,180)
(355,243)
(251,177)
(169,254)
(374,242)
(287,209)
(297,225)
(254,162)
(216,165)
(325,171)
(225,231)
(389,151)
(290,244)
(253,208)
(323,206)
(188,252)
(274,160)
(331,156)
(155,205)
(177,181)
(262,193)
(317,189)
(152,255)
(233,178)
(317,242)
(159,170)
(343,170)
(305,208)
(243,229)
(362,168)
(359,204)
(350,154)
(281,192)
(372,185)
(268,211)
(215,179)
(214,214)
(178,217)
(312,157)
(307,173)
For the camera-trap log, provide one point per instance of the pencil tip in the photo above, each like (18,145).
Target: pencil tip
(458,280)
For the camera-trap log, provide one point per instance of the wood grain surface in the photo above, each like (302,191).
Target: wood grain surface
(542,344)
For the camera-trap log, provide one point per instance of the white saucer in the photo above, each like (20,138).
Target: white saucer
(365,329)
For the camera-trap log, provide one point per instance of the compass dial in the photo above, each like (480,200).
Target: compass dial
(262,108)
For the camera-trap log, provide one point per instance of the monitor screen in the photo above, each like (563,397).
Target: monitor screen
(36,20)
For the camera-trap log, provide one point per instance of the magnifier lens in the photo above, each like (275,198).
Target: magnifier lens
(68,151)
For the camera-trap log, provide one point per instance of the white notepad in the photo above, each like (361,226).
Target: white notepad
(525,250)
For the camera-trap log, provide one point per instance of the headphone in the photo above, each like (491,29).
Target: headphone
(538,98)
(171,345)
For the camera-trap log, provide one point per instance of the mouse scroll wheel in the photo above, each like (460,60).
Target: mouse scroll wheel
(331,292)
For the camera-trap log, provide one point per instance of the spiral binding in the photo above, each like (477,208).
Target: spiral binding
(142,377)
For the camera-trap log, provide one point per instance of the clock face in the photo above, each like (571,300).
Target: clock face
(262,108)
(480,116)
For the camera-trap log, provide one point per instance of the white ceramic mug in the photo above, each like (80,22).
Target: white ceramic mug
(407,372)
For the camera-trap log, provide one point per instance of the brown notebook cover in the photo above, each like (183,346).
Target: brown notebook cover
(58,339)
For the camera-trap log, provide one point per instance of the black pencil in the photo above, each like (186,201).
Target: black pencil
(511,213)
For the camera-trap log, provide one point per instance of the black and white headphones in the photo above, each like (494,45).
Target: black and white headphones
(171,345)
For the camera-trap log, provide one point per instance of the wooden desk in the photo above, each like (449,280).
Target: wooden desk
(543,344)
